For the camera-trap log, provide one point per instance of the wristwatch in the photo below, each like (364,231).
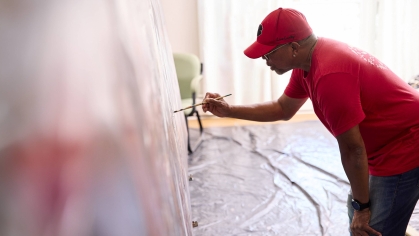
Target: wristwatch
(360,206)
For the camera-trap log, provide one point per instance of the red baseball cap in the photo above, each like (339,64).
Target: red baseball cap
(284,25)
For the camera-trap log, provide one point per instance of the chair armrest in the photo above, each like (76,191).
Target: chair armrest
(195,83)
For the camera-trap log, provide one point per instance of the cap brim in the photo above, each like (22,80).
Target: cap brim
(257,50)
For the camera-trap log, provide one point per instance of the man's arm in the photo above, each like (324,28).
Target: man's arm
(355,163)
(282,109)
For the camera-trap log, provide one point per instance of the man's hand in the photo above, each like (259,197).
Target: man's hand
(219,108)
(360,223)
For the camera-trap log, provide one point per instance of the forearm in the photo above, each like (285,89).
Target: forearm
(282,109)
(263,112)
(355,164)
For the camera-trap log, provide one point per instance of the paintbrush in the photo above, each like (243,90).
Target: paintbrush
(199,104)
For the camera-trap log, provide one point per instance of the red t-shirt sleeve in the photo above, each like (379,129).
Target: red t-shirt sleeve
(338,96)
(295,87)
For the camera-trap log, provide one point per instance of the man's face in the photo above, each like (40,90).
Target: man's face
(279,59)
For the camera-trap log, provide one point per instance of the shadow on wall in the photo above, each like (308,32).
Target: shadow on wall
(89,144)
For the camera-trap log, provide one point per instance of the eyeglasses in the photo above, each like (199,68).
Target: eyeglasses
(266,55)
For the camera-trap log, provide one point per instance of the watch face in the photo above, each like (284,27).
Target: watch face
(356,205)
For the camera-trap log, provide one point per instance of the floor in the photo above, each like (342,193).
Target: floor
(272,179)
(212,121)
(276,178)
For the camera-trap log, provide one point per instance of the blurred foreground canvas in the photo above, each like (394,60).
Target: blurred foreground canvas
(89,144)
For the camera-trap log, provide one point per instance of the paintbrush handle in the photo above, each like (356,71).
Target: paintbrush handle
(214,98)
(199,104)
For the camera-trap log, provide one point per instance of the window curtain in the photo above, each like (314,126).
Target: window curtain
(227,27)
(397,36)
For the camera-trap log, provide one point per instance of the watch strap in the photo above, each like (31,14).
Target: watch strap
(362,206)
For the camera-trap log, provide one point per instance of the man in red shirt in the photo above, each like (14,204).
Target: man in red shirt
(373,114)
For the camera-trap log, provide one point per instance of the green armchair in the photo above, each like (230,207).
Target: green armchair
(189,74)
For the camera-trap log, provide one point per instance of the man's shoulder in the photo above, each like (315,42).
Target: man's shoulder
(334,57)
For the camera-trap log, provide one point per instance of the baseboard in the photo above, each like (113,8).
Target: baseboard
(410,231)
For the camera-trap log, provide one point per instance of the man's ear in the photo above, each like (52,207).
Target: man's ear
(295,47)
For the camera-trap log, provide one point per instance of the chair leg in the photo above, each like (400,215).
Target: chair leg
(199,121)
(189,142)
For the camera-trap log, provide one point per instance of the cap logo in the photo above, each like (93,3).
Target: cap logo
(260,29)
(285,38)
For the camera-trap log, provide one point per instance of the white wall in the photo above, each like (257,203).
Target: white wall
(181,17)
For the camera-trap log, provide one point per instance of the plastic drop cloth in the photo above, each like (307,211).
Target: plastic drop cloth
(89,144)
(275,179)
